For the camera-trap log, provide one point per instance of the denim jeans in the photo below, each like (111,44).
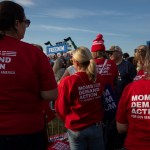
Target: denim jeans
(90,138)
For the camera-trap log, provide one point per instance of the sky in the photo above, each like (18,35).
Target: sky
(125,23)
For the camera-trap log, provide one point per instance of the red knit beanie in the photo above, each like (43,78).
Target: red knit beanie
(98,44)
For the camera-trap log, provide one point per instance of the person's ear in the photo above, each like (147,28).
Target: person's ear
(17,23)
(77,63)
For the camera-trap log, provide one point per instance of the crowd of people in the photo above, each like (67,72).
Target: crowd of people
(75,84)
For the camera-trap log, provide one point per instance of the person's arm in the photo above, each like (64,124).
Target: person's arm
(62,105)
(56,65)
(46,78)
(49,95)
(122,128)
(66,73)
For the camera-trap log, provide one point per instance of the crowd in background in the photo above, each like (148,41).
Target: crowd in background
(119,70)
(61,61)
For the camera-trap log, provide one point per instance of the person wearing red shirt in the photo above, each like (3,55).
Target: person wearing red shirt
(26,79)
(79,103)
(108,70)
(133,114)
(106,67)
(139,56)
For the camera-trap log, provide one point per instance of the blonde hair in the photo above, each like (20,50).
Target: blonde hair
(141,56)
(84,57)
(146,66)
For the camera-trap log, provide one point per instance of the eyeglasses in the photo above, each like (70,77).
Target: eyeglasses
(27,22)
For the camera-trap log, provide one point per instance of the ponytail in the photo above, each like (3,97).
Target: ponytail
(91,70)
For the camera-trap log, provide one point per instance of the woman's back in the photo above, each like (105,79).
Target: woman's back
(83,101)
(21,80)
(135,101)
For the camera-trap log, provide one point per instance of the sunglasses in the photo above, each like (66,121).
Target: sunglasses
(27,22)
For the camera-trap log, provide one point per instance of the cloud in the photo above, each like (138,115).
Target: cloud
(70,13)
(112,13)
(68,29)
(79,13)
(25,2)
(71,29)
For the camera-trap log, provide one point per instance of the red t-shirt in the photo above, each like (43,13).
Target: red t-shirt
(109,72)
(134,110)
(24,72)
(140,74)
(79,102)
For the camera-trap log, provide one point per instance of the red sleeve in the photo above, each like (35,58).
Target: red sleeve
(46,74)
(62,104)
(121,115)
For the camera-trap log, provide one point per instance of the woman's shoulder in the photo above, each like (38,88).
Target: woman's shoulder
(30,47)
(140,84)
(68,81)
(71,69)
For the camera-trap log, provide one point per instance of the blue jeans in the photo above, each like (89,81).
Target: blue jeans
(90,138)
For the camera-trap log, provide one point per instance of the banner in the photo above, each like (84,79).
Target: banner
(109,102)
(56,49)
(59,145)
